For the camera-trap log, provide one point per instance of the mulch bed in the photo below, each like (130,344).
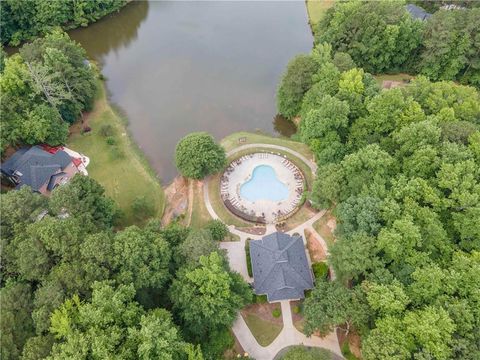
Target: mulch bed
(316,251)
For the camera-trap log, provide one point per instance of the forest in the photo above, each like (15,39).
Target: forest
(24,20)
(401,170)
(445,47)
(44,89)
(74,286)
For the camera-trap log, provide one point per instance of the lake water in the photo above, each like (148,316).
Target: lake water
(264,185)
(178,67)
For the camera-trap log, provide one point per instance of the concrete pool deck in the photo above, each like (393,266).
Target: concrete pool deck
(240,171)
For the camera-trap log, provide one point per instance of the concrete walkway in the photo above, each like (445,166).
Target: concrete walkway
(289,335)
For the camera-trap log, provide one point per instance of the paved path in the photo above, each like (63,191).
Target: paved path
(289,335)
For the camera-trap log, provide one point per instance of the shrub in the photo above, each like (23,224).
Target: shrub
(320,270)
(296,309)
(107,130)
(249,259)
(198,155)
(111,140)
(218,229)
(261,299)
(143,208)
(276,313)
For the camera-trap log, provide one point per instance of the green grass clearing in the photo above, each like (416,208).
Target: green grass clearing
(316,10)
(232,141)
(120,168)
(263,331)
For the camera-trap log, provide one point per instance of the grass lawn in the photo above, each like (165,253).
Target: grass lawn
(232,141)
(264,331)
(316,10)
(120,168)
(200,215)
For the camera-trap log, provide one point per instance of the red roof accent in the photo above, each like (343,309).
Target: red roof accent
(51,149)
(77,162)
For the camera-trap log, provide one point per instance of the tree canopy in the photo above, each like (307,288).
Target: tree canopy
(198,155)
(400,168)
(23,20)
(44,88)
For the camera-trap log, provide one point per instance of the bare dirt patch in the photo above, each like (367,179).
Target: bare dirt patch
(254,230)
(315,249)
(325,226)
(351,343)
(176,198)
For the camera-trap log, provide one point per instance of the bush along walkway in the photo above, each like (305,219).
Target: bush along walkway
(289,335)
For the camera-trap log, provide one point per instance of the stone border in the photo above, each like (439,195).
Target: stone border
(260,211)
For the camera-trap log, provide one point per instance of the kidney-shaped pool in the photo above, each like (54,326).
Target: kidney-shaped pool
(264,185)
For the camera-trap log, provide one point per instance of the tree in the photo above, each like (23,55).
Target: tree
(83,198)
(330,305)
(450,46)
(353,256)
(386,299)
(218,229)
(207,298)
(330,115)
(24,20)
(15,322)
(112,324)
(197,155)
(388,340)
(378,35)
(343,61)
(432,330)
(142,258)
(198,243)
(294,84)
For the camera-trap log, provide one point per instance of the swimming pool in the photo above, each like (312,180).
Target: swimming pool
(264,185)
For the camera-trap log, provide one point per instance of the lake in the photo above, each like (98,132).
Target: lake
(177,67)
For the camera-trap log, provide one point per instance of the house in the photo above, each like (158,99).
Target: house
(417,13)
(280,267)
(43,168)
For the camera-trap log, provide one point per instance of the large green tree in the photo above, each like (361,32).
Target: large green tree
(208,297)
(198,155)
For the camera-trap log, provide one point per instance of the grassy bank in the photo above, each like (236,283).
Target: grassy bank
(316,10)
(116,162)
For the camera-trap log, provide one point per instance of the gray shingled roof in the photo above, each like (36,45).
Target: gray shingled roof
(417,12)
(280,267)
(36,165)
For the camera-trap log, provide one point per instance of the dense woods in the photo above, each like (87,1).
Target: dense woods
(44,88)
(381,36)
(401,170)
(72,286)
(23,20)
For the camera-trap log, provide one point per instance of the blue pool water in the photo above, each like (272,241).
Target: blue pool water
(264,185)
